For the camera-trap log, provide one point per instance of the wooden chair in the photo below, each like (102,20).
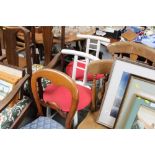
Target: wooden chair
(14,106)
(133,51)
(58,79)
(94,68)
(44,40)
(93,45)
(12,54)
(13,51)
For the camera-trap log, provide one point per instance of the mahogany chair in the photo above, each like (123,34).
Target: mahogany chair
(58,80)
(13,50)
(44,40)
(93,44)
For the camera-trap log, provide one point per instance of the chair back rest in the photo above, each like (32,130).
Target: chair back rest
(94,43)
(60,79)
(133,51)
(78,54)
(12,52)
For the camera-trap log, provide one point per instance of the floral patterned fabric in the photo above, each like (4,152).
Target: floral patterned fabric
(9,115)
(44,81)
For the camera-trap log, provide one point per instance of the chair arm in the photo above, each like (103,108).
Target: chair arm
(11,95)
(54,61)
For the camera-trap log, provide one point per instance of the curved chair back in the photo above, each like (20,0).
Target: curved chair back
(134,51)
(60,79)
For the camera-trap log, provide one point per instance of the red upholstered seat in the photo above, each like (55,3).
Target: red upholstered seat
(62,96)
(80,73)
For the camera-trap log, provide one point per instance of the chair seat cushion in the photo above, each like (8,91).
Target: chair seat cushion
(9,114)
(43,123)
(62,96)
(80,73)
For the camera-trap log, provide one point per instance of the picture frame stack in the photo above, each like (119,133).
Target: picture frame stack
(130,84)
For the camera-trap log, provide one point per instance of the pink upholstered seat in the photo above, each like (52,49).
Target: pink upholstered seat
(80,73)
(62,96)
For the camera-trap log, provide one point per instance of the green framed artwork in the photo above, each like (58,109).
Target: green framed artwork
(136,85)
(142,115)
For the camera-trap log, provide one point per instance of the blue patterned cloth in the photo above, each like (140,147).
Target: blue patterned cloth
(146,40)
(43,123)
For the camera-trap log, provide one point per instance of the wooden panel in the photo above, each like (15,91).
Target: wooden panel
(8,77)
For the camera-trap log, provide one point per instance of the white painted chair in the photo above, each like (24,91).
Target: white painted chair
(85,92)
(91,46)
(93,43)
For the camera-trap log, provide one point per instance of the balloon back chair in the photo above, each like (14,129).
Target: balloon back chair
(61,98)
(93,45)
(60,81)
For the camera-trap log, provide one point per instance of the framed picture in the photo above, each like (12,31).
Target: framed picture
(141,115)
(118,81)
(5,88)
(135,85)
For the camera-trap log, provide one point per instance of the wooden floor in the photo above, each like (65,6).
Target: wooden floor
(90,122)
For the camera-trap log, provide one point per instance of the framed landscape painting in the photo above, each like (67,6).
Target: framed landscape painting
(141,115)
(112,100)
(135,85)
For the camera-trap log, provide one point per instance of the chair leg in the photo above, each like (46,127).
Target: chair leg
(41,53)
(75,120)
(48,111)
(62,62)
